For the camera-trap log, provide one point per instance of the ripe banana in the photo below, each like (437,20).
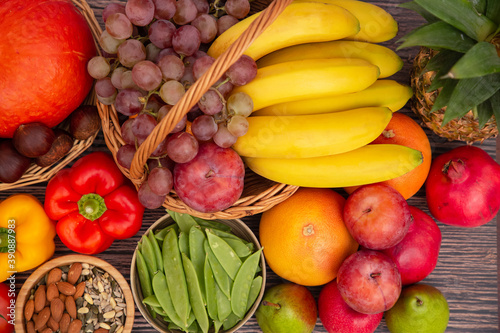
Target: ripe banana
(298,23)
(365,165)
(376,24)
(388,93)
(312,135)
(310,78)
(383,57)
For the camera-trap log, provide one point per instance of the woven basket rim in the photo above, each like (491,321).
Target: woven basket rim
(36,174)
(247,205)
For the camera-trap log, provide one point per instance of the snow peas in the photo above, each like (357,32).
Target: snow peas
(243,283)
(224,254)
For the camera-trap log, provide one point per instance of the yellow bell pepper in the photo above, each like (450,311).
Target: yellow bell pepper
(26,235)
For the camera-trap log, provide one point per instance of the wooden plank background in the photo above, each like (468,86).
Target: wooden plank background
(467,269)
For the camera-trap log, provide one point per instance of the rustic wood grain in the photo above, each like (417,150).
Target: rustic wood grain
(467,269)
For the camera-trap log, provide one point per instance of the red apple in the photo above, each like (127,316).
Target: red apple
(338,317)
(417,254)
(45,47)
(212,181)
(369,281)
(377,216)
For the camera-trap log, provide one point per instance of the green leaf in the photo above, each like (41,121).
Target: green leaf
(412,5)
(495,105)
(462,15)
(480,60)
(438,81)
(438,35)
(493,10)
(484,112)
(443,60)
(444,95)
(469,93)
(479,5)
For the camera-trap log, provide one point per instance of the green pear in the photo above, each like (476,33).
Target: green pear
(421,308)
(287,308)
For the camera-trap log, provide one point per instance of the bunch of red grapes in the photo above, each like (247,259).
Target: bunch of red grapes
(154,50)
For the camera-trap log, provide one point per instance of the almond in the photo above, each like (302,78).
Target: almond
(66,288)
(70,306)
(64,323)
(52,292)
(62,297)
(54,276)
(80,289)
(53,324)
(42,319)
(47,330)
(75,326)
(56,309)
(29,309)
(74,272)
(30,327)
(40,298)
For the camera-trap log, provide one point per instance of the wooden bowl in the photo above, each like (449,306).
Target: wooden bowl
(40,272)
(240,229)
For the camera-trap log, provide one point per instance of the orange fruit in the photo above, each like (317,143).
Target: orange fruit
(304,237)
(403,130)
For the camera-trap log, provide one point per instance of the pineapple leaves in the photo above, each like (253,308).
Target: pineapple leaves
(412,5)
(438,35)
(484,112)
(482,59)
(493,10)
(479,5)
(444,95)
(495,105)
(469,93)
(443,60)
(462,15)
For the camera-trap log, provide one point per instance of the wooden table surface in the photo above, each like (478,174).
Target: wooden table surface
(467,268)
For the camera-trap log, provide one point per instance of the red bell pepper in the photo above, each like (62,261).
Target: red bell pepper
(93,203)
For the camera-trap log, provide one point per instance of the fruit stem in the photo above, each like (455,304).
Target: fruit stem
(274,305)
(374,275)
(419,301)
(456,171)
(91,206)
(7,235)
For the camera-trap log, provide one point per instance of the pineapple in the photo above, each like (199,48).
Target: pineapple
(456,74)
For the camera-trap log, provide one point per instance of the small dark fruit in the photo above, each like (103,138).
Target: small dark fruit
(84,122)
(60,147)
(12,164)
(33,139)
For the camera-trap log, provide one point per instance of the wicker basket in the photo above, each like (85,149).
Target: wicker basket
(36,174)
(259,194)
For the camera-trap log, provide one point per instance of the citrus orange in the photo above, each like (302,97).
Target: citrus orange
(403,130)
(304,237)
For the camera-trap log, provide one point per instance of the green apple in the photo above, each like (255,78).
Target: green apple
(287,308)
(421,308)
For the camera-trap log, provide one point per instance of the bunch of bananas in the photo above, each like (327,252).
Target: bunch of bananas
(321,95)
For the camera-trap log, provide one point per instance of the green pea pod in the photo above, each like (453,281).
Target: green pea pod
(195,295)
(217,325)
(243,283)
(241,249)
(152,301)
(143,273)
(220,275)
(149,255)
(184,221)
(160,234)
(157,251)
(254,291)
(212,224)
(174,273)
(184,242)
(163,295)
(159,310)
(221,233)
(224,254)
(197,255)
(231,320)
(223,304)
(210,295)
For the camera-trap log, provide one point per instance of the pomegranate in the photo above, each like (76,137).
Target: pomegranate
(463,187)
(45,46)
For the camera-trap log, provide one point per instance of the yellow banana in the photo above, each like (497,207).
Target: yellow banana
(312,135)
(383,57)
(310,78)
(376,24)
(365,165)
(298,23)
(388,93)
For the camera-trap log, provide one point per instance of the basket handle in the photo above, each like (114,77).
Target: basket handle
(200,86)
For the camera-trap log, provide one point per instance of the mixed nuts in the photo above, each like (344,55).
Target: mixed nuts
(77,298)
